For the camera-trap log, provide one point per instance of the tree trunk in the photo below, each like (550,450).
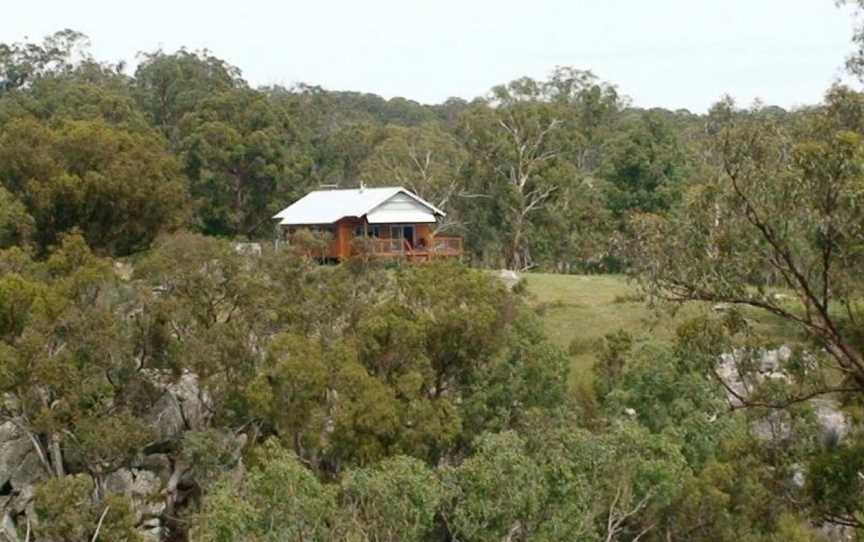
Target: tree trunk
(57,456)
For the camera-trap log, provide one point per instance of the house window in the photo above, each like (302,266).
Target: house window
(371,231)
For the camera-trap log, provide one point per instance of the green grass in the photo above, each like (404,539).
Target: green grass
(585,308)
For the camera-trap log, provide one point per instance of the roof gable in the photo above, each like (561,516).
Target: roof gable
(329,206)
(401,209)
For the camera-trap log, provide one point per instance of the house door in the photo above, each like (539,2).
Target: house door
(404,232)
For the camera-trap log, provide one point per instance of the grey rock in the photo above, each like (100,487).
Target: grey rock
(798,477)
(183,406)
(139,485)
(159,464)
(834,423)
(248,249)
(166,417)
(7,527)
(22,502)
(770,361)
(773,427)
(195,403)
(508,277)
(19,464)
(29,471)
(727,370)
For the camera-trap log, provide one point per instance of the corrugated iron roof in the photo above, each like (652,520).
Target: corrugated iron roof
(329,206)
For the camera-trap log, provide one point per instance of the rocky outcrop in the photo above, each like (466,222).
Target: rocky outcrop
(154,482)
(743,371)
(17,457)
(143,488)
(182,406)
(20,469)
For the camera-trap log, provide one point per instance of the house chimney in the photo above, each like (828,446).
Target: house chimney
(362,186)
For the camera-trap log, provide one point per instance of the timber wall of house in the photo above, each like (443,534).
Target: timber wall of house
(343,236)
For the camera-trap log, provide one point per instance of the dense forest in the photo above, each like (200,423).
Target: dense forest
(160,384)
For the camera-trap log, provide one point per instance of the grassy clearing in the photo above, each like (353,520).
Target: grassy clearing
(579,310)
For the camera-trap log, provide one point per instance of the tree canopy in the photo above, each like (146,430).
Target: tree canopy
(167,373)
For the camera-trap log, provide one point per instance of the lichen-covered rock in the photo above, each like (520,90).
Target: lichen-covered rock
(767,365)
(159,464)
(183,406)
(194,402)
(143,487)
(166,417)
(508,277)
(19,464)
(248,249)
(834,423)
(29,471)
(7,527)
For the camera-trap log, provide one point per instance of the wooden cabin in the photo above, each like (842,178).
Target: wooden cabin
(388,222)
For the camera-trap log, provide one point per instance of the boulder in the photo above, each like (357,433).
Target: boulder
(141,486)
(770,362)
(833,422)
(7,527)
(19,464)
(166,417)
(180,408)
(159,464)
(508,277)
(29,471)
(727,370)
(22,501)
(772,427)
(194,403)
(248,249)
(143,489)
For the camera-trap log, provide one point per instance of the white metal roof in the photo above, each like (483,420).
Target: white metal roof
(329,206)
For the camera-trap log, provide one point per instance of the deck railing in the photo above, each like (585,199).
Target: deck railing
(440,246)
(388,246)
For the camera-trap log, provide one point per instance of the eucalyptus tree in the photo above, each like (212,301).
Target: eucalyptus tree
(69,364)
(644,163)
(424,159)
(534,144)
(517,153)
(784,211)
(234,145)
(169,85)
(118,187)
(22,63)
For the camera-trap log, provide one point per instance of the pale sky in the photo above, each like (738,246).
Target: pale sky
(664,53)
